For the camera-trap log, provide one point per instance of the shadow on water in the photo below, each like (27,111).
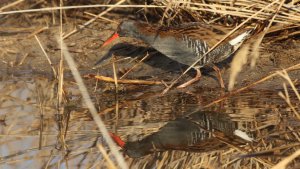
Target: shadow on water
(199,131)
(150,125)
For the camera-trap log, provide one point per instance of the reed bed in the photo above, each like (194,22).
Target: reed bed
(46,122)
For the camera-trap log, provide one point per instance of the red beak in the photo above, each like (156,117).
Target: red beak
(109,40)
(117,140)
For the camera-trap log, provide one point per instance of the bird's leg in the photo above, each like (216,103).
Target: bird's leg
(195,79)
(219,76)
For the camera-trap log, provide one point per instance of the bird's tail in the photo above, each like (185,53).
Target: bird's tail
(253,33)
(240,38)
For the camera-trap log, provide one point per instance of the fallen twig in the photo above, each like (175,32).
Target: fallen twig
(123,81)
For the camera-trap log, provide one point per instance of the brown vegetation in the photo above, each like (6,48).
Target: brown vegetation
(48,120)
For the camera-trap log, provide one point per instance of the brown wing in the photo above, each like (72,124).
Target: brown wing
(194,30)
(211,34)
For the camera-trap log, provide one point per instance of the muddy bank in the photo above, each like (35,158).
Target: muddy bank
(22,55)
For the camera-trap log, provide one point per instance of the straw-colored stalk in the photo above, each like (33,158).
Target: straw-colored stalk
(283,164)
(88,101)
(255,50)
(11,5)
(237,63)
(286,95)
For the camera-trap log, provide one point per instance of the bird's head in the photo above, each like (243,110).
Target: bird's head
(125,29)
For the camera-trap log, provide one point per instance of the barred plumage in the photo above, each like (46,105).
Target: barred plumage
(186,43)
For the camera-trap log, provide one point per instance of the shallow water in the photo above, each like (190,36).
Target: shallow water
(30,122)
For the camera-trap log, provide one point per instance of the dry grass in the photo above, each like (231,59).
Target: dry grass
(237,63)
(42,124)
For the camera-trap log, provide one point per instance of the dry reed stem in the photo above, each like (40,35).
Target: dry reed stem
(59,103)
(163,160)
(46,55)
(255,53)
(281,27)
(242,15)
(286,18)
(241,150)
(11,5)
(240,58)
(236,65)
(286,98)
(134,66)
(294,67)
(115,75)
(78,7)
(116,90)
(49,160)
(123,81)
(285,37)
(110,164)
(117,107)
(101,17)
(93,19)
(237,11)
(255,49)
(283,164)
(285,75)
(23,59)
(168,6)
(41,107)
(38,31)
(91,107)
(226,36)
(109,63)
(276,150)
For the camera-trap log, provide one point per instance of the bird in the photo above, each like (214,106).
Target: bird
(185,43)
(201,131)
